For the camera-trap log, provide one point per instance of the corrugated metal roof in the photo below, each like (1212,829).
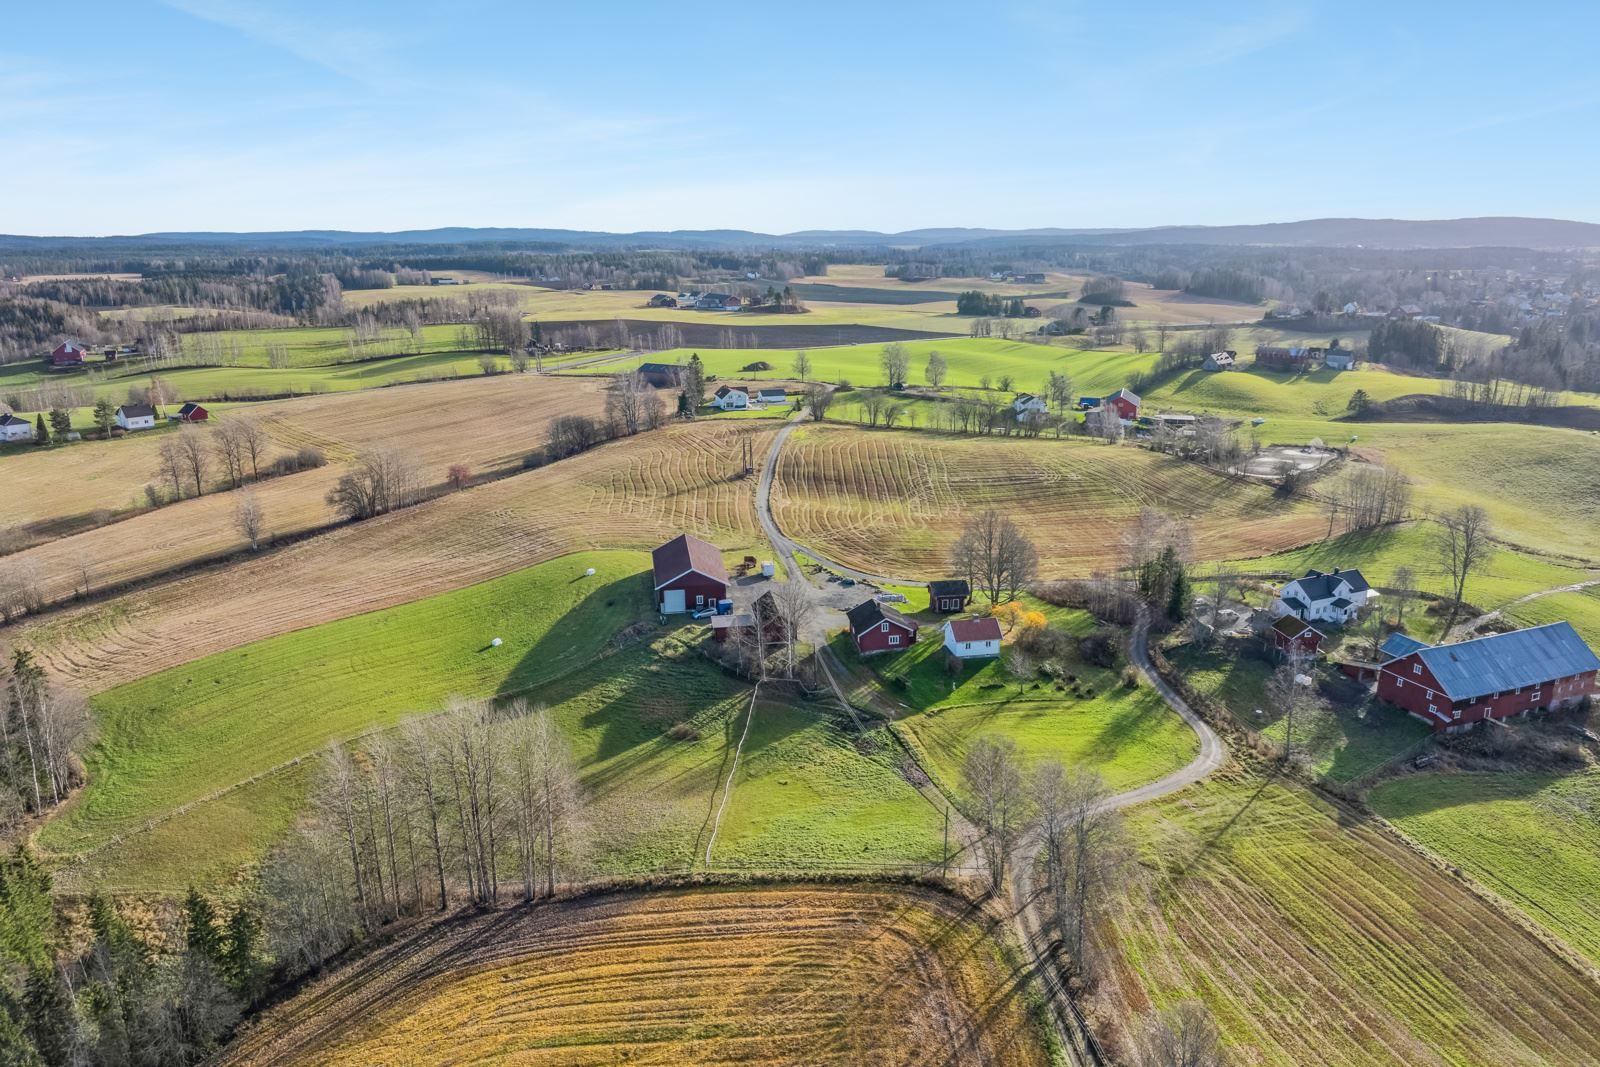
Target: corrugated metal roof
(1396,645)
(1500,662)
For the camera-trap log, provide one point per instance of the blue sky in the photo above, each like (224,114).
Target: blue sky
(137,115)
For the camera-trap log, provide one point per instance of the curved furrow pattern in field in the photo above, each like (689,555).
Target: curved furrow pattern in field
(783,975)
(894,501)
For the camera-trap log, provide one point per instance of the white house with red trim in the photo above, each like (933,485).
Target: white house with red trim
(972,638)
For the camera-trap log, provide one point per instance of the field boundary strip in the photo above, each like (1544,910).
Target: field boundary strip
(727,790)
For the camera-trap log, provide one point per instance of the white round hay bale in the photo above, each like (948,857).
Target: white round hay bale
(589,573)
(496,643)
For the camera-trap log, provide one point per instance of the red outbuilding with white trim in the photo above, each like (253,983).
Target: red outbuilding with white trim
(689,574)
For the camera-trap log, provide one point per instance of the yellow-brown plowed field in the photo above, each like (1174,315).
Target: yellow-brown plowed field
(893,502)
(633,493)
(779,975)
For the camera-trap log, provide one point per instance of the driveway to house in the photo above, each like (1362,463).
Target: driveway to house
(1030,920)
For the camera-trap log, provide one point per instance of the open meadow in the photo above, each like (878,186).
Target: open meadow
(1532,838)
(1315,937)
(893,501)
(774,976)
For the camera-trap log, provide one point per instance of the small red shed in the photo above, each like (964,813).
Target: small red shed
(689,575)
(1292,636)
(191,412)
(877,628)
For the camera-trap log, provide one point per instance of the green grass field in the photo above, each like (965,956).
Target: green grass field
(176,736)
(968,360)
(1581,609)
(811,794)
(1533,838)
(1129,736)
(1508,574)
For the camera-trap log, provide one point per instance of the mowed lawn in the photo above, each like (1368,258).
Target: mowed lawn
(179,735)
(813,794)
(1315,938)
(1338,743)
(1532,838)
(1129,736)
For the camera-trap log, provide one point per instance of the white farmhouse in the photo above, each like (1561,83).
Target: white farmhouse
(136,416)
(1334,596)
(731,398)
(13,428)
(972,638)
(1027,403)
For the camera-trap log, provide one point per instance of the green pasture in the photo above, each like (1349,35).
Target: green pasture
(1532,838)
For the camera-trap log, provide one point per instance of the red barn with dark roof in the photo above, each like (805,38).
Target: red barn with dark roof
(1292,636)
(877,628)
(67,354)
(689,574)
(191,412)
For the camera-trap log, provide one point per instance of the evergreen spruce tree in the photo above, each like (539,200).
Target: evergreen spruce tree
(241,954)
(47,1008)
(200,933)
(41,432)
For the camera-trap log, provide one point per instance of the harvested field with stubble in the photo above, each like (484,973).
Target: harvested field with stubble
(894,501)
(1315,937)
(774,975)
(633,493)
(489,424)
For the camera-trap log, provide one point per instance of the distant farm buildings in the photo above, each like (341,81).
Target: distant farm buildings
(1221,360)
(67,354)
(718,302)
(662,375)
(1453,687)
(14,429)
(136,417)
(1279,357)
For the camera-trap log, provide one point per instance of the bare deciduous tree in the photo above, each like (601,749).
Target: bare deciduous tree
(193,456)
(1403,586)
(802,365)
(895,359)
(1183,1035)
(1462,542)
(1084,854)
(249,518)
(382,480)
(995,556)
(818,398)
(992,777)
(171,467)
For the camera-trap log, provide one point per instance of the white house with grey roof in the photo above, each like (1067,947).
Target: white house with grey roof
(1324,596)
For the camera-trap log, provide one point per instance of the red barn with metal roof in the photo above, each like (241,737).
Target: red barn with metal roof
(1452,687)
(689,574)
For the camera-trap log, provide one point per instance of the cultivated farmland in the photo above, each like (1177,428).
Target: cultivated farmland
(633,493)
(778,975)
(1314,937)
(894,501)
(507,417)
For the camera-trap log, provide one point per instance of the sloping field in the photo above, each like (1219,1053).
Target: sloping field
(968,359)
(487,423)
(632,493)
(781,975)
(894,501)
(1315,938)
(1532,838)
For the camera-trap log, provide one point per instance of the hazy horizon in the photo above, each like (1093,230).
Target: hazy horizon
(218,115)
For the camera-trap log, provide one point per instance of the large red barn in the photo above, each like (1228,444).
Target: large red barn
(67,354)
(1453,687)
(689,574)
(1125,402)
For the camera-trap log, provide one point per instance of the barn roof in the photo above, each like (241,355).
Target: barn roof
(985,629)
(1126,394)
(867,614)
(1397,644)
(683,554)
(1508,661)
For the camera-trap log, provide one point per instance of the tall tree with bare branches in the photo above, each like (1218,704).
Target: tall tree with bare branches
(1462,541)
